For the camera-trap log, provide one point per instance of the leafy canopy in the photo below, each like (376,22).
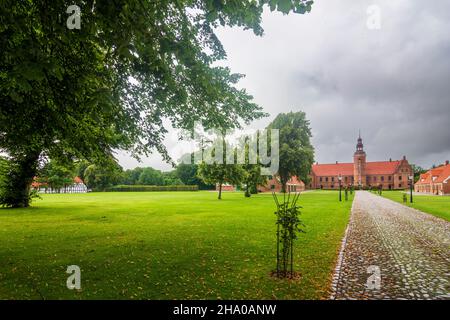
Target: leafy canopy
(111,83)
(296,151)
(216,171)
(56,175)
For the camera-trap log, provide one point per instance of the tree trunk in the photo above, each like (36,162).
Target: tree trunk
(220,191)
(255,189)
(247,190)
(20,175)
(283,187)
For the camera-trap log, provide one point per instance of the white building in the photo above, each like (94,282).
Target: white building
(78,186)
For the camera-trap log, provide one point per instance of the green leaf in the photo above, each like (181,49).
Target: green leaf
(33,72)
(284,6)
(16,97)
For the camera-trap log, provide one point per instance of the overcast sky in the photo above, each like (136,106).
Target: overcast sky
(393,83)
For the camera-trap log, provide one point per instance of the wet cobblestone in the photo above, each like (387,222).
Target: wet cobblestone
(410,248)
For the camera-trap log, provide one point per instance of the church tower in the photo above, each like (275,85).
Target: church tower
(359,164)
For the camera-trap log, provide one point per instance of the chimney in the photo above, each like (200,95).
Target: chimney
(404,157)
(390,159)
(336,162)
(446,162)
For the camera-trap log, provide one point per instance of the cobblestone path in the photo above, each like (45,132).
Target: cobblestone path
(411,250)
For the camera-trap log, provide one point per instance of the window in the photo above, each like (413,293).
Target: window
(332,179)
(320,179)
(368,179)
(399,185)
(375,179)
(389,178)
(346,179)
(399,177)
(326,179)
(382,178)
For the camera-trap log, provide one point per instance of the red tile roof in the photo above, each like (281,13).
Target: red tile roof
(382,167)
(293,180)
(334,169)
(346,169)
(77,180)
(425,178)
(36,184)
(445,173)
(440,174)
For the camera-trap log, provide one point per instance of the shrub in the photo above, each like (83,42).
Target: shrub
(289,226)
(134,188)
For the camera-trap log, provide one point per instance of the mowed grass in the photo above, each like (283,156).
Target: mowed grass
(165,245)
(435,205)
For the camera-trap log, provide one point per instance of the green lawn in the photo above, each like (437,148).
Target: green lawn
(164,245)
(436,205)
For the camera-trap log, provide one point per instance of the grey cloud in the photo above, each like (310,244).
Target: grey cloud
(392,83)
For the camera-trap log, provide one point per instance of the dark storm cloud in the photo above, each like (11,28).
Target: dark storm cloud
(392,83)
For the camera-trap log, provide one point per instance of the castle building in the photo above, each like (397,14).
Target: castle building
(392,174)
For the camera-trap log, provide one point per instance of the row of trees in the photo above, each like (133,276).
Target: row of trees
(295,158)
(296,155)
(56,175)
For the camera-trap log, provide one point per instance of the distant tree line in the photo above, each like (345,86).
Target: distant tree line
(99,177)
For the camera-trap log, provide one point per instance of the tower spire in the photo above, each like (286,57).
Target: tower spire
(359,145)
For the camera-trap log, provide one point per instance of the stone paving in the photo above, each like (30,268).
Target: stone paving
(411,250)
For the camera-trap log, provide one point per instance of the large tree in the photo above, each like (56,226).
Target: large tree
(296,152)
(170,178)
(82,93)
(253,171)
(150,176)
(214,168)
(219,174)
(131,176)
(4,168)
(187,173)
(99,177)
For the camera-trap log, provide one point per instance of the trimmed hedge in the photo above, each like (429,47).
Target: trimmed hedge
(133,188)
